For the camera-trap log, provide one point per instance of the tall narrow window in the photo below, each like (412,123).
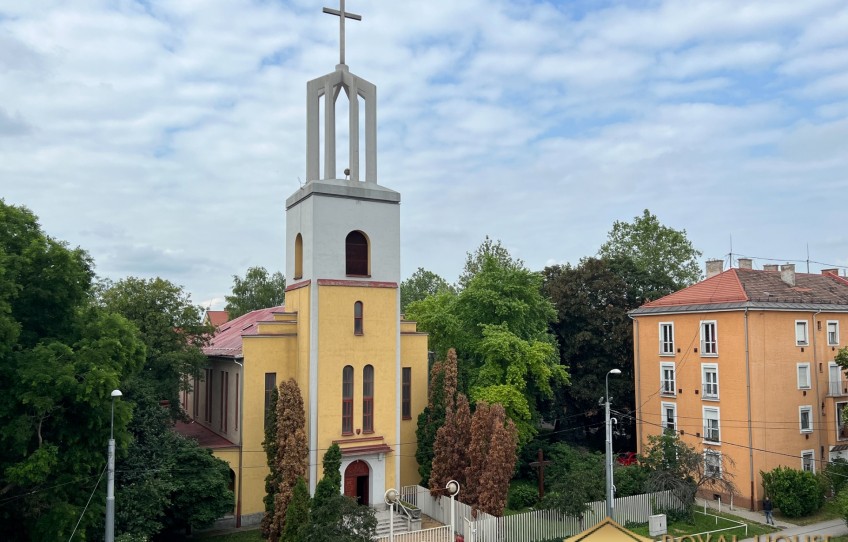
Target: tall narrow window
(270,384)
(225,399)
(666,338)
(298,257)
(368,399)
(712,463)
(808,461)
(357,318)
(801,333)
(709,342)
(832,332)
(805,414)
(667,384)
(406,394)
(237,402)
(208,410)
(709,373)
(669,416)
(803,376)
(712,429)
(347,400)
(195,397)
(356,254)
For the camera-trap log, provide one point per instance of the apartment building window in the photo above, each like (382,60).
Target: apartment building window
(667,384)
(832,332)
(666,339)
(368,399)
(347,400)
(841,426)
(225,400)
(709,341)
(803,376)
(406,394)
(237,403)
(195,395)
(808,461)
(801,338)
(834,379)
(712,431)
(270,386)
(709,376)
(669,416)
(805,414)
(712,463)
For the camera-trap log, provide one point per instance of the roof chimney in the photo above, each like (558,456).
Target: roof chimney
(771,267)
(787,273)
(714,267)
(746,263)
(830,272)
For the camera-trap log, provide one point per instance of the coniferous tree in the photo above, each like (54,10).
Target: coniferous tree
(451,448)
(492,456)
(297,516)
(292,451)
(272,480)
(330,484)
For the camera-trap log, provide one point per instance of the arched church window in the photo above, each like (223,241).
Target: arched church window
(298,257)
(347,400)
(356,254)
(368,399)
(357,318)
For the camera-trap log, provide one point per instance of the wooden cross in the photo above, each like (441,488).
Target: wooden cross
(342,15)
(540,465)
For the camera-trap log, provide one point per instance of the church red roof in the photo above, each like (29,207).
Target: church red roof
(227,341)
(216,318)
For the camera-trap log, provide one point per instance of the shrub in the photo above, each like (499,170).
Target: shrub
(522,495)
(796,493)
(837,474)
(630,480)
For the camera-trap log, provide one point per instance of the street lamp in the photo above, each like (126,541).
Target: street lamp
(110,485)
(391,498)
(610,501)
(453,491)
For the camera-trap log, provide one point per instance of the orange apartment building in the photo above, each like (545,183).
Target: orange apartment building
(741,365)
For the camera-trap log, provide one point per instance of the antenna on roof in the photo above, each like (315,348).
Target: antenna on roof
(730,255)
(808,258)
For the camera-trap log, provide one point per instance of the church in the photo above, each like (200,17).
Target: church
(362,370)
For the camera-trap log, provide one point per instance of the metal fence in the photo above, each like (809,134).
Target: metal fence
(438,534)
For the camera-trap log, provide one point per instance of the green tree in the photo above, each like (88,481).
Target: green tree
(421,285)
(60,357)
(655,248)
(488,249)
(441,393)
(172,330)
(574,478)
(331,482)
(257,290)
(795,492)
(272,479)
(297,516)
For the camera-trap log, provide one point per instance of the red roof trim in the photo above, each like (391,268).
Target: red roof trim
(298,285)
(363,283)
(373,449)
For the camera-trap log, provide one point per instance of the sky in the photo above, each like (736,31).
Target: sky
(164,136)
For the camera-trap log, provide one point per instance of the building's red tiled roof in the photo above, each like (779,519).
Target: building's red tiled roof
(227,341)
(216,318)
(204,436)
(752,285)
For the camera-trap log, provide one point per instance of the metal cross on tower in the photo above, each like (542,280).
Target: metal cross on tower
(342,15)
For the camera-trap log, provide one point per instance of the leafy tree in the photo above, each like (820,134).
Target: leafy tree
(491,457)
(441,393)
(795,492)
(452,442)
(841,358)
(421,285)
(676,466)
(297,516)
(629,480)
(331,482)
(60,357)
(488,249)
(170,326)
(574,478)
(257,290)
(292,460)
(655,248)
(595,334)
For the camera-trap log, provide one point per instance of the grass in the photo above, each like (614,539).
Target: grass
(702,523)
(252,535)
(829,511)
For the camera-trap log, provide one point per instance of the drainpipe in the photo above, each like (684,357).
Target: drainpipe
(750,430)
(638,381)
(818,429)
(241,443)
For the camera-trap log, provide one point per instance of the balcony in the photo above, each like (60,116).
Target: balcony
(837,388)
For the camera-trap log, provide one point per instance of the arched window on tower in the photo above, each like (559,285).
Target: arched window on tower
(368,399)
(347,400)
(357,318)
(356,254)
(298,257)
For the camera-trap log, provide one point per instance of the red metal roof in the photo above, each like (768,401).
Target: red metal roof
(205,437)
(227,341)
(216,318)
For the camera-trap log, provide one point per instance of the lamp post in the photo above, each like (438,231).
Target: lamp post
(610,498)
(391,498)
(453,491)
(110,480)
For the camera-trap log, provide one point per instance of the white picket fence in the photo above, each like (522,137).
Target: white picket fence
(536,525)
(438,534)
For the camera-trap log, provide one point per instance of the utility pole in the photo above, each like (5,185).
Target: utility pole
(610,496)
(110,480)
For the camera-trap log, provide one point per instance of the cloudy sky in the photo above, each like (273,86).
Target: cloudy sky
(165,136)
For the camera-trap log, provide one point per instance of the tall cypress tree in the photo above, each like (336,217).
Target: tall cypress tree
(272,481)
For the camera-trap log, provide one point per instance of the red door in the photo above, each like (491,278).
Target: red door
(356,481)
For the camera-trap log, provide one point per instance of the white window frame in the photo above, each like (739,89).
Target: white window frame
(705,369)
(805,366)
(664,419)
(809,410)
(805,326)
(713,351)
(717,418)
(663,343)
(835,339)
(838,407)
(663,391)
(812,455)
(717,455)
(834,387)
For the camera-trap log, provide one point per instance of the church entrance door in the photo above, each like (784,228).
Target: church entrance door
(356,481)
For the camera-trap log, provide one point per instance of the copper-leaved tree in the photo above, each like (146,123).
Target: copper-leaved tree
(292,451)
(492,456)
(451,447)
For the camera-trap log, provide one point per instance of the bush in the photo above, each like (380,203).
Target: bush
(796,493)
(522,495)
(836,473)
(630,480)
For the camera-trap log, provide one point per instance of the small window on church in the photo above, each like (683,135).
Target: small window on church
(347,400)
(368,399)
(356,254)
(298,257)
(357,318)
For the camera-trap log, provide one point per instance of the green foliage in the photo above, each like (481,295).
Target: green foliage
(574,477)
(522,494)
(429,422)
(836,472)
(487,250)
(257,290)
(297,515)
(421,285)
(272,479)
(796,493)
(841,358)
(331,483)
(630,480)
(655,248)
